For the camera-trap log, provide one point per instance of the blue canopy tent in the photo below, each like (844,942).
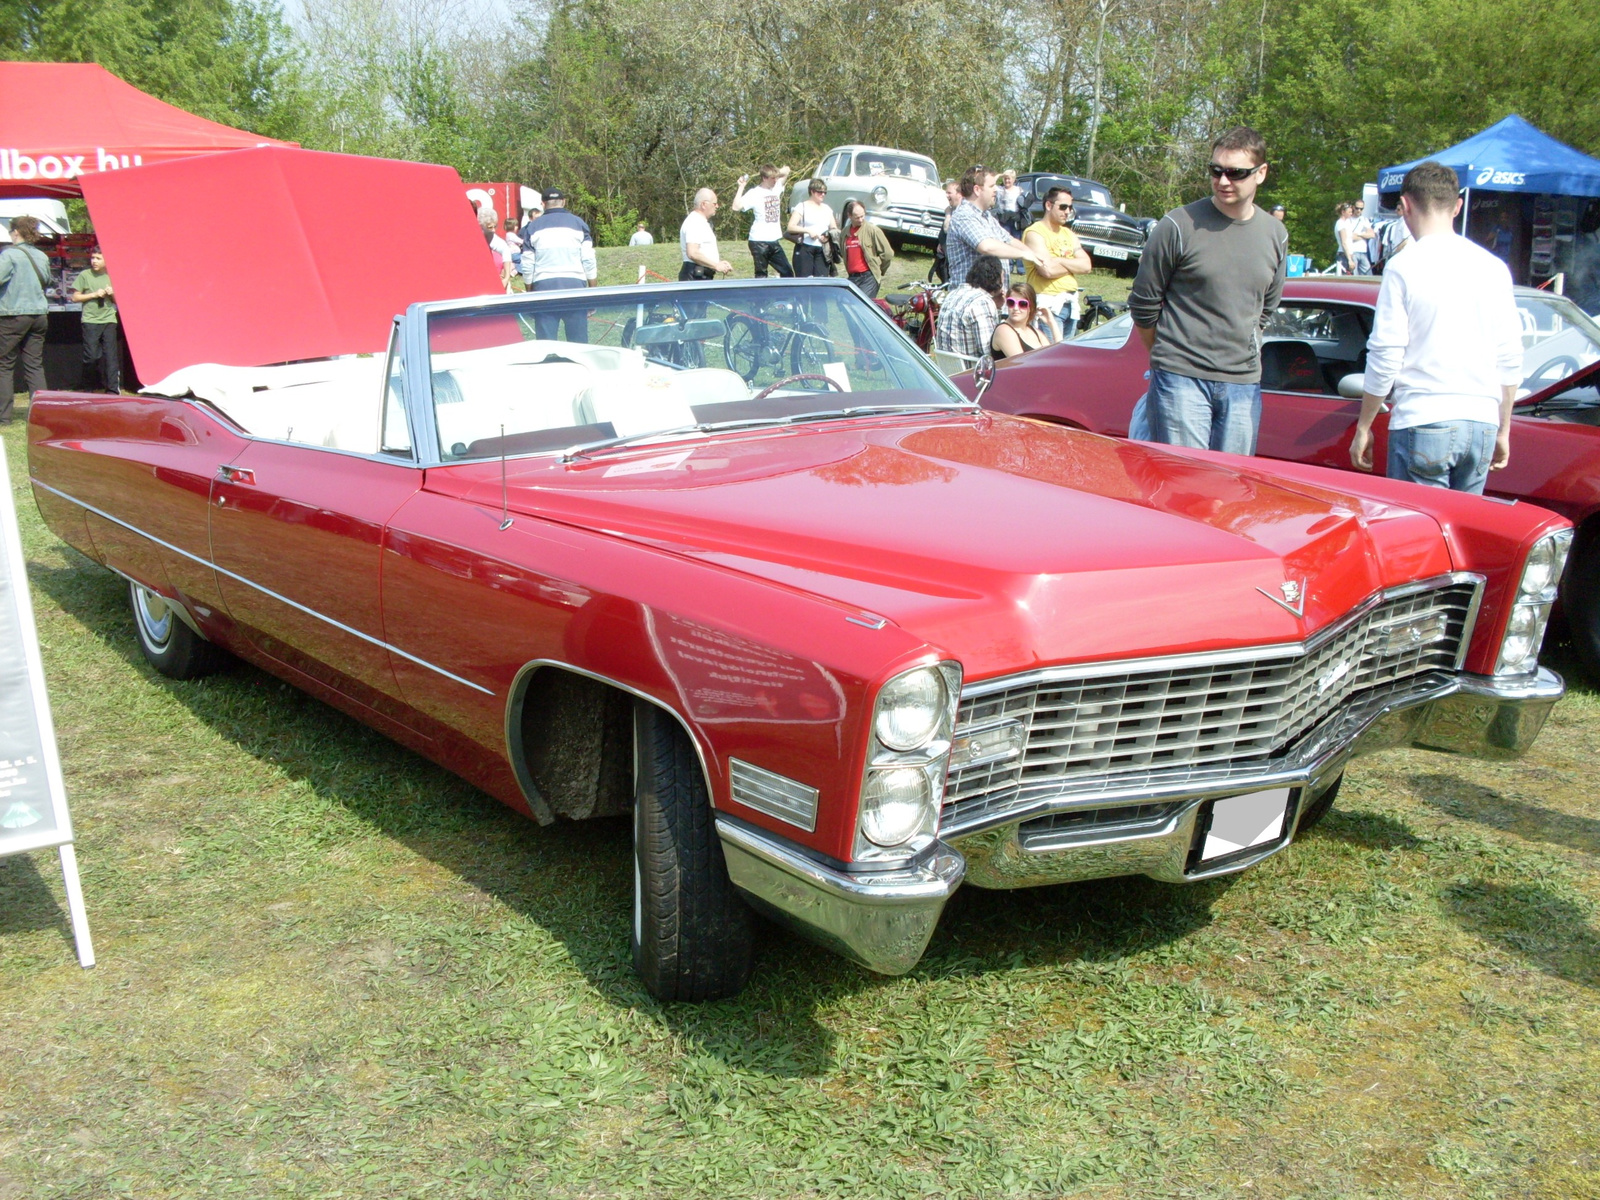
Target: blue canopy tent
(1509,156)
(1510,160)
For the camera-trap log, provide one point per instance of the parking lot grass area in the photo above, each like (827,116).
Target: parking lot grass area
(328,968)
(620,264)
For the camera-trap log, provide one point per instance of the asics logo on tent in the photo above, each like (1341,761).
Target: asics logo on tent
(1490,175)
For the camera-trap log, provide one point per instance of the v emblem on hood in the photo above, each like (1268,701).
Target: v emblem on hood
(1294,597)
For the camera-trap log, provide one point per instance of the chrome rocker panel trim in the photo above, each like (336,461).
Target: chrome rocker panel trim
(884,919)
(880,919)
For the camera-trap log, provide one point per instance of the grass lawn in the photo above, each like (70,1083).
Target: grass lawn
(329,969)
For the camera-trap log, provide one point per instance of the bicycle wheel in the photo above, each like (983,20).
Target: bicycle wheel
(742,346)
(809,349)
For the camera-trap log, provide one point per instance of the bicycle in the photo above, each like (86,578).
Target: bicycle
(916,311)
(1097,310)
(682,355)
(776,329)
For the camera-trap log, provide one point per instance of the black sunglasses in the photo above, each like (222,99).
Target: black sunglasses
(1234,173)
(1064,206)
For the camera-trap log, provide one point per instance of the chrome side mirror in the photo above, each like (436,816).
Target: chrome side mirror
(983,376)
(1350,386)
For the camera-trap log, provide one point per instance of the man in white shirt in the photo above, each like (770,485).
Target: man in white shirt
(766,231)
(1447,340)
(642,236)
(698,243)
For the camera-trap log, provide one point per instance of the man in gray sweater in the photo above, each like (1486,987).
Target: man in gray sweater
(1211,273)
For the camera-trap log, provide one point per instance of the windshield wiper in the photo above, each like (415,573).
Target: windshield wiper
(573,453)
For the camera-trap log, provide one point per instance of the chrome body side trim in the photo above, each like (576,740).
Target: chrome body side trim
(880,919)
(265,591)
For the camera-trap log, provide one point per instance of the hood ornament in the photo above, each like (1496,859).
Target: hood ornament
(1294,597)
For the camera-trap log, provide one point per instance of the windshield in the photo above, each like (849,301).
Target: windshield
(574,369)
(905,166)
(1558,338)
(1084,193)
(1113,335)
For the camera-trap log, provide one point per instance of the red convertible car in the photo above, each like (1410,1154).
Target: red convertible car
(736,559)
(1313,355)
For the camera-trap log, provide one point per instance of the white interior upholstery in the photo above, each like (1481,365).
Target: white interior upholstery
(333,402)
(478,394)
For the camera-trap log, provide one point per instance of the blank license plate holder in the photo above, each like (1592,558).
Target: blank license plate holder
(1235,828)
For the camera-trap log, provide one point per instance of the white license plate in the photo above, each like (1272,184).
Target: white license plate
(1108,252)
(1240,822)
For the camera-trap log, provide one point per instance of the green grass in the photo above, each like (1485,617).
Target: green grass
(327,968)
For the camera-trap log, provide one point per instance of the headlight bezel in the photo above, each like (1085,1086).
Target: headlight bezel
(880,195)
(929,759)
(1528,611)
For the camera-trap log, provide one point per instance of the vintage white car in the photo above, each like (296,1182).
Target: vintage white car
(901,190)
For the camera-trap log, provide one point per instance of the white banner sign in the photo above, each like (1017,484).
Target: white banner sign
(33,800)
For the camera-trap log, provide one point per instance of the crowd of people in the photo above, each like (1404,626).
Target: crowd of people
(1445,351)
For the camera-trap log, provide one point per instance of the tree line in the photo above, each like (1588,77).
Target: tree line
(630,105)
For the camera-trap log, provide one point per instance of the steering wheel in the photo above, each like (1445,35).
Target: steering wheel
(787,379)
(1567,364)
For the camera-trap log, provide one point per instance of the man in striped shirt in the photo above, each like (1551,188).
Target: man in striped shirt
(558,253)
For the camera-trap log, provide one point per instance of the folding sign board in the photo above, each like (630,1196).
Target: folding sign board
(33,800)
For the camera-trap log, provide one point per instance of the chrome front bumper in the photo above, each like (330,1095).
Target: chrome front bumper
(883,919)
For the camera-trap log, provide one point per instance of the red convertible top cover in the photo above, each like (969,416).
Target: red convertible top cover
(295,270)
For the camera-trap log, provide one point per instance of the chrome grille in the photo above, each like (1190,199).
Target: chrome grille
(1198,720)
(1111,232)
(915,214)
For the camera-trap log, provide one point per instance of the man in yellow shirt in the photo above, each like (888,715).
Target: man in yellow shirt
(1062,260)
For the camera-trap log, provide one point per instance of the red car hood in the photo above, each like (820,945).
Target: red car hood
(1008,543)
(314,282)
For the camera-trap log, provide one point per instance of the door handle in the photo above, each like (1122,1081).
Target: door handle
(240,475)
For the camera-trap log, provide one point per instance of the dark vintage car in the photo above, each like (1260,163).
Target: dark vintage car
(1312,357)
(1110,235)
(775,601)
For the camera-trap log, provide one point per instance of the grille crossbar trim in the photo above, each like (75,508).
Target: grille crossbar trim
(1204,717)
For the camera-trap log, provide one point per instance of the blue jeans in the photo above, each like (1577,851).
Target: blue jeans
(1203,413)
(1446,454)
(548,321)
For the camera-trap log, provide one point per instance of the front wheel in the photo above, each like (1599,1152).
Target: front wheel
(1321,805)
(168,644)
(693,936)
(1580,601)
(810,349)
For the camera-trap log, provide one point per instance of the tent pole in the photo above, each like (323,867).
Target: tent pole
(1466,208)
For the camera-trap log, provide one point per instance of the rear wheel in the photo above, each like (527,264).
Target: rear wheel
(692,934)
(1321,805)
(741,346)
(168,644)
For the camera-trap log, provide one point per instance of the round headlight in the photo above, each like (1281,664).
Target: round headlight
(910,708)
(1522,634)
(880,195)
(894,804)
(1540,573)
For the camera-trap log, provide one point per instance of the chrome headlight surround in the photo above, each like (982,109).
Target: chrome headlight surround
(880,195)
(908,757)
(1530,606)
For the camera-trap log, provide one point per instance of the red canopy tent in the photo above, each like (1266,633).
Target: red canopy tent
(60,120)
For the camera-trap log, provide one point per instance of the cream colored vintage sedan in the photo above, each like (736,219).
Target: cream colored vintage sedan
(901,189)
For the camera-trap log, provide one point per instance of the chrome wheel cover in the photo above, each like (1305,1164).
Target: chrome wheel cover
(154,617)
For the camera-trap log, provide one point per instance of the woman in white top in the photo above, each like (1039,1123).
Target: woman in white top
(813,220)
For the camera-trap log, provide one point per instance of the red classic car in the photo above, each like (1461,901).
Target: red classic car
(1312,357)
(734,557)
